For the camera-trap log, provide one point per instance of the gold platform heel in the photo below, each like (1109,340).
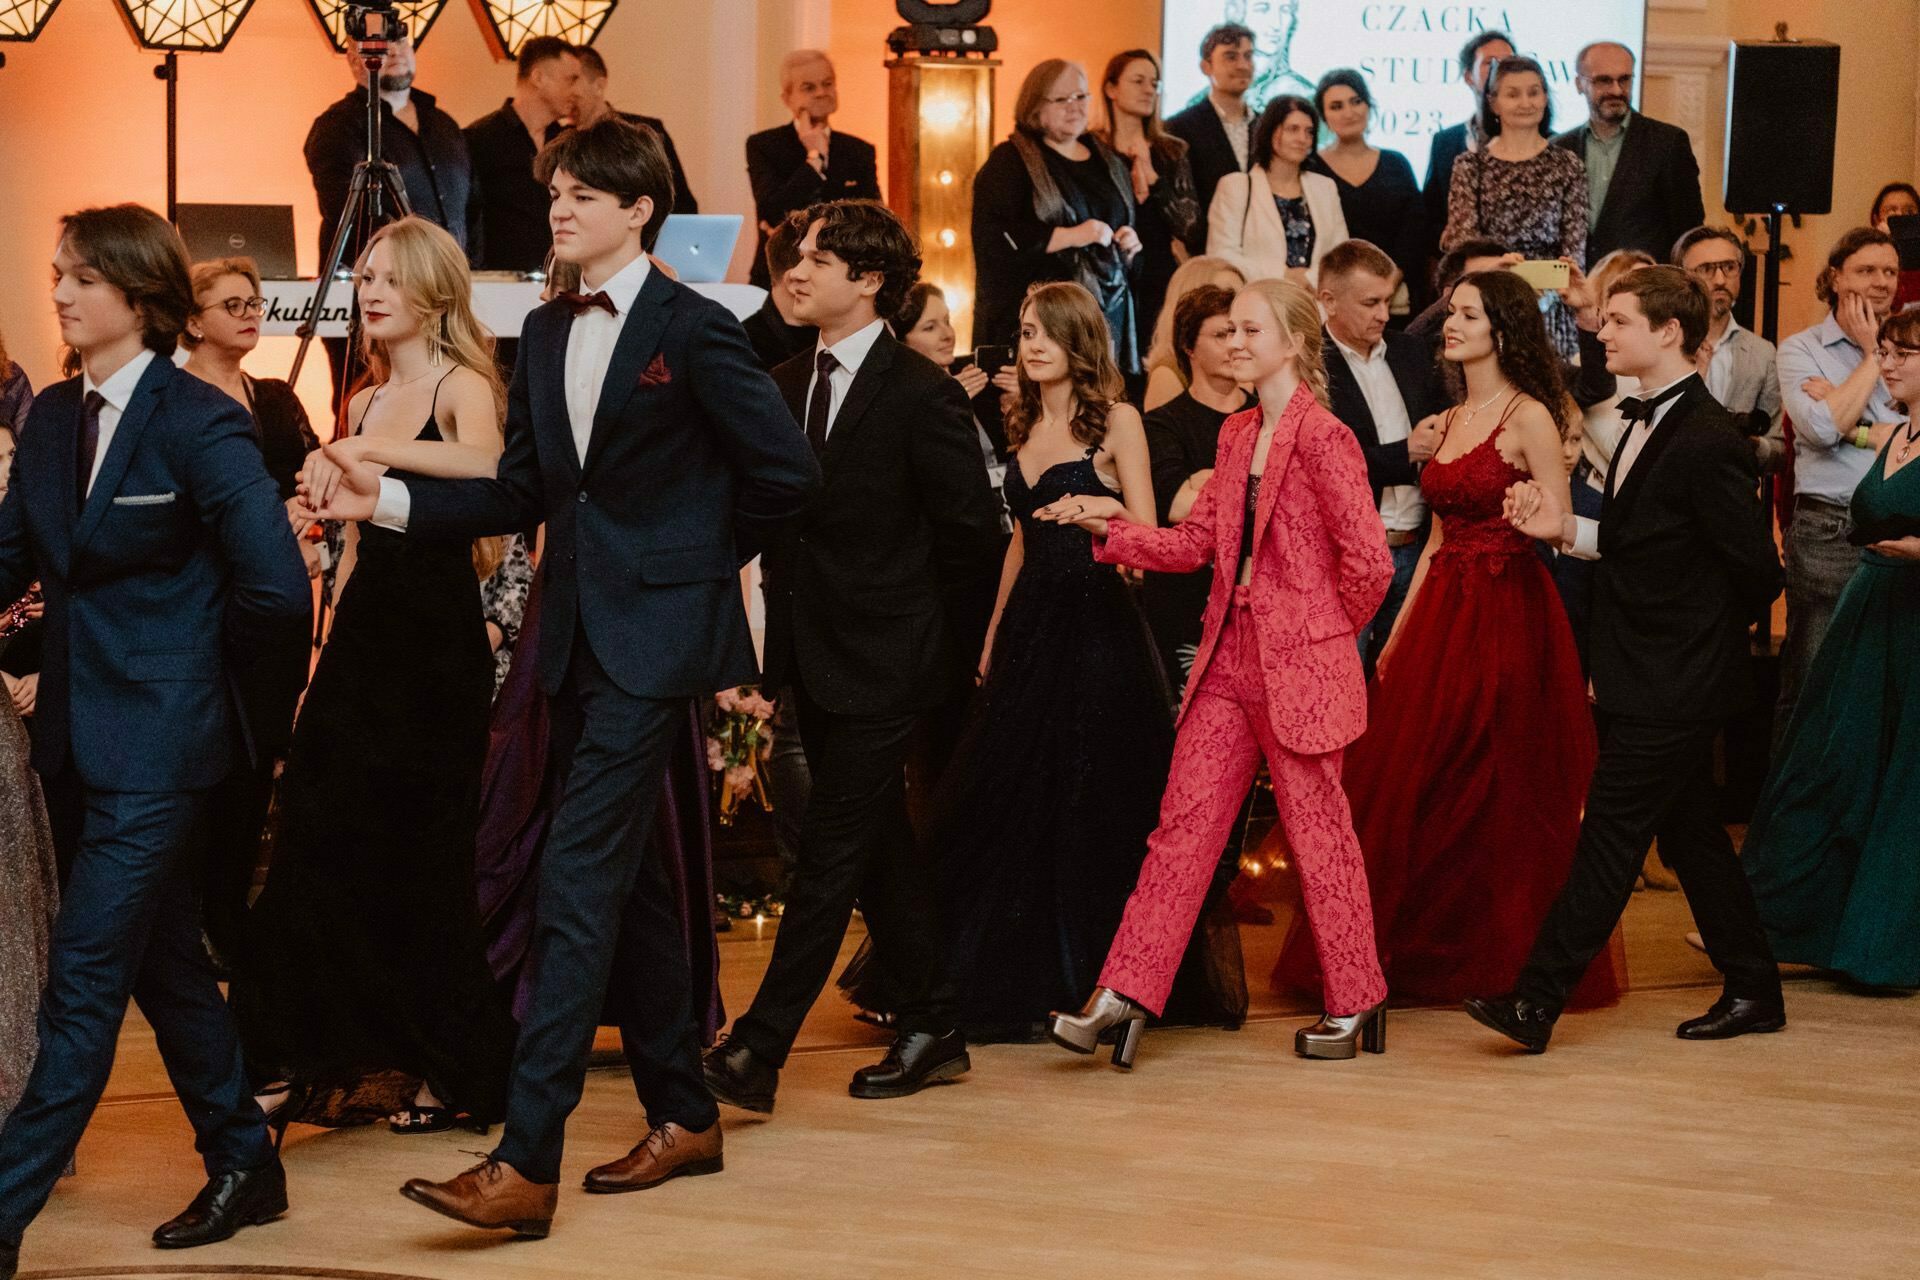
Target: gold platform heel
(1107,1018)
(1337,1037)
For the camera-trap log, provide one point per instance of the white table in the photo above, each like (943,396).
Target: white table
(500,304)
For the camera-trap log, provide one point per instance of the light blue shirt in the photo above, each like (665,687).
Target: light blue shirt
(1826,462)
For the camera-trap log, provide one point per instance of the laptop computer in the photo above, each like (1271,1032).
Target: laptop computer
(698,245)
(263,232)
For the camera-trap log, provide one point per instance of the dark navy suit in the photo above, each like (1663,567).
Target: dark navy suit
(691,458)
(163,587)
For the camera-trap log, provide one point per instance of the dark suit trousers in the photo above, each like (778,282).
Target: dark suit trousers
(611,749)
(129,924)
(855,844)
(1653,780)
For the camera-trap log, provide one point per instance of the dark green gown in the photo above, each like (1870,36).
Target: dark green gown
(1834,851)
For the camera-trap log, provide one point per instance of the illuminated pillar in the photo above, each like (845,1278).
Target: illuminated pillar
(939,130)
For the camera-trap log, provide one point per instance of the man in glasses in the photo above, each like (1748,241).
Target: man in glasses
(1643,185)
(1737,363)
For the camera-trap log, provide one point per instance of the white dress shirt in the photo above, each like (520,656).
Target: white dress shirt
(1720,364)
(117,390)
(1586,530)
(851,352)
(1402,509)
(590,343)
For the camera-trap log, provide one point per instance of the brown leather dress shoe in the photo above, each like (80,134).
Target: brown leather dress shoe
(490,1194)
(668,1151)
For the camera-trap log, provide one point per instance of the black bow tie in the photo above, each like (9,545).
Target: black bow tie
(1634,409)
(585,302)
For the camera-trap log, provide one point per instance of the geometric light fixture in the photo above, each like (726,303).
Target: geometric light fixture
(511,23)
(417,15)
(191,26)
(23,19)
(173,27)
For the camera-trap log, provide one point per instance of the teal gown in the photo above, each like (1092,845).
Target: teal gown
(1834,850)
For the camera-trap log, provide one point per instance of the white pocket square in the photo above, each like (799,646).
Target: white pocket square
(144,500)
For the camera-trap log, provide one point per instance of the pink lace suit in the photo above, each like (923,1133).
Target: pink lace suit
(1277,674)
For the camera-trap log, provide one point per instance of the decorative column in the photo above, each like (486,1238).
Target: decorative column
(939,130)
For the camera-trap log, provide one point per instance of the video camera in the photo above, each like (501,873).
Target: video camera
(374,24)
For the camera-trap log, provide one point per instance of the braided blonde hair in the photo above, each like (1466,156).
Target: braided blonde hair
(1299,315)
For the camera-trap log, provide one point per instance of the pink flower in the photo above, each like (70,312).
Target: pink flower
(757,707)
(727,700)
(716,760)
(740,777)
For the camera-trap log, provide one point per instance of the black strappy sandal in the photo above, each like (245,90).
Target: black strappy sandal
(409,1120)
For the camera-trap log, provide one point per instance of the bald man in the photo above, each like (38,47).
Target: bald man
(805,160)
(1643,184)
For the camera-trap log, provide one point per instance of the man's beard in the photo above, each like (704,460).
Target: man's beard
(396,82)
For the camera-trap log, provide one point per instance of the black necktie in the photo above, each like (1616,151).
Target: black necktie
(1634,409)
(820,403)
(89,440)
(585,302)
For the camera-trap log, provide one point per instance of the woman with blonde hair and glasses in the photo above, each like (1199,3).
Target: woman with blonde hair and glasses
(1300,565)
(367,992)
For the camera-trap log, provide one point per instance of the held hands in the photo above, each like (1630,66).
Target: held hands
(1535,512)
(1090,513)
(972,380)
(337,484)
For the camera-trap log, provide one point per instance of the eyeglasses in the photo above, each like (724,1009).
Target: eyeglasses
(1611,82)
(1071,100)
(1726,267)
(1896,355)
(239,308)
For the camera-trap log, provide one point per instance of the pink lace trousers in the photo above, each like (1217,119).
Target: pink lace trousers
(1218,750)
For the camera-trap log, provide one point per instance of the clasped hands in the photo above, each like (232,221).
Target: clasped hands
(1089,512)
(1537,513)
(338,483)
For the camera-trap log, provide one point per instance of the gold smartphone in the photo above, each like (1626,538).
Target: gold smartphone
(1542,273)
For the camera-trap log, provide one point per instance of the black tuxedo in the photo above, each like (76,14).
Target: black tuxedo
(1209,153)
(1686,561)
(1417,375)
(1655,193)
(783,180)
(858,591)
(691,451)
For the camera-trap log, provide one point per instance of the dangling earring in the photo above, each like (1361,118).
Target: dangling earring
(435,341)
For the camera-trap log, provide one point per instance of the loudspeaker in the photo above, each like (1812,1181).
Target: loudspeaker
(1782,112)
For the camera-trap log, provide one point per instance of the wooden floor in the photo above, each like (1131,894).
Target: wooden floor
(1622,1153)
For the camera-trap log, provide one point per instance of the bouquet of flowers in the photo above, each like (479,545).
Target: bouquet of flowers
(739,740)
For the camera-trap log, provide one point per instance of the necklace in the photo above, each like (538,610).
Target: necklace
(409,382)
(1475,408)
(1906,441)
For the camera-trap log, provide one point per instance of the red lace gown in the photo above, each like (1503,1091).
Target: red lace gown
(1468,784)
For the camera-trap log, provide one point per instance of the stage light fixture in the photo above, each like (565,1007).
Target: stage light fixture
(511,23)
(184,26)
(24,19)
(418,15)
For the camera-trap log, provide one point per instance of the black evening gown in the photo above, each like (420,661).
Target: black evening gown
(368,970)
(1039,826)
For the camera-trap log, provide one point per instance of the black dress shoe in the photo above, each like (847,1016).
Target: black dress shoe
(916,1060)
(1731,1016)
(1519,1019)
(739,1077)
(227,1203)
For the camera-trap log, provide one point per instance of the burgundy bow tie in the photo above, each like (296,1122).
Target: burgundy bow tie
(581,303)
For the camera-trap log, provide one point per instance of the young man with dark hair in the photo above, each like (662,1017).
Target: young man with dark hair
(1842,414)
(643,435)
(776,332)
(1685,560)
(590,106)
(1383,386)
(509,225)
(857,602)
(1477,56)
(805,160)
(1218,129)
(141,505)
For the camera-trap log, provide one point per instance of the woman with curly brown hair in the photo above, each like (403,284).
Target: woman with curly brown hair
(1468,784)
(1040,823)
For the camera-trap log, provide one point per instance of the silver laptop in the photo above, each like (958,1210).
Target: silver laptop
(698,245)
(263,232)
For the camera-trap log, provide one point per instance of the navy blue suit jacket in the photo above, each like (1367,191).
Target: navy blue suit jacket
(176,576)
(693,457)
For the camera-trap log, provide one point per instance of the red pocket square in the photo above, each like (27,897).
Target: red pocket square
(655,374)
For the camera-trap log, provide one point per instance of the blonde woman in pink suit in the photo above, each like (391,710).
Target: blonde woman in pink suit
(1300,566)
